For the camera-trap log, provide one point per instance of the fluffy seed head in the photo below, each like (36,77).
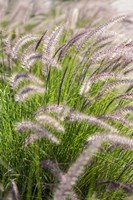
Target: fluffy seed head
(27,91)
(113,85)
(53,167)
(111,52)
(16,78)
(46,119)
(62,111)
(14,191)
(39,132)
(118,118)
(90,119)
(94,143)
(29,60)
(22,41)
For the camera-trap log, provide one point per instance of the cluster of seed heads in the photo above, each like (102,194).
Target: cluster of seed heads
(54,116)
(38,128)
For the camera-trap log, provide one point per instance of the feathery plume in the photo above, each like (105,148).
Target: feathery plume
(107,75)
(111,52)
(7,47)
(114,84)
(128,188)
(99,29)
(14,191)
(65,48)
(38,130)
(114,138)
(126,96)
(128,71)
(32,138)
(50,61)
(49,48)
(90,119)
(62,111)
(123,110)
(85,35)
(12,194)
(25,92)
(21,42)
(12,52)
(46,119)
(29,60)
(52,41)
(73,18)
(117,118)
(100,77)
(94,143)
(29,49)
(85,86)
(27,125)
(53,167)
(16,78)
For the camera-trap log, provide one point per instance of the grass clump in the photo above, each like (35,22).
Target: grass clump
(69,104)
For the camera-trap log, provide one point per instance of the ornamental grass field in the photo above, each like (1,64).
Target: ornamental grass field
(66,91)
